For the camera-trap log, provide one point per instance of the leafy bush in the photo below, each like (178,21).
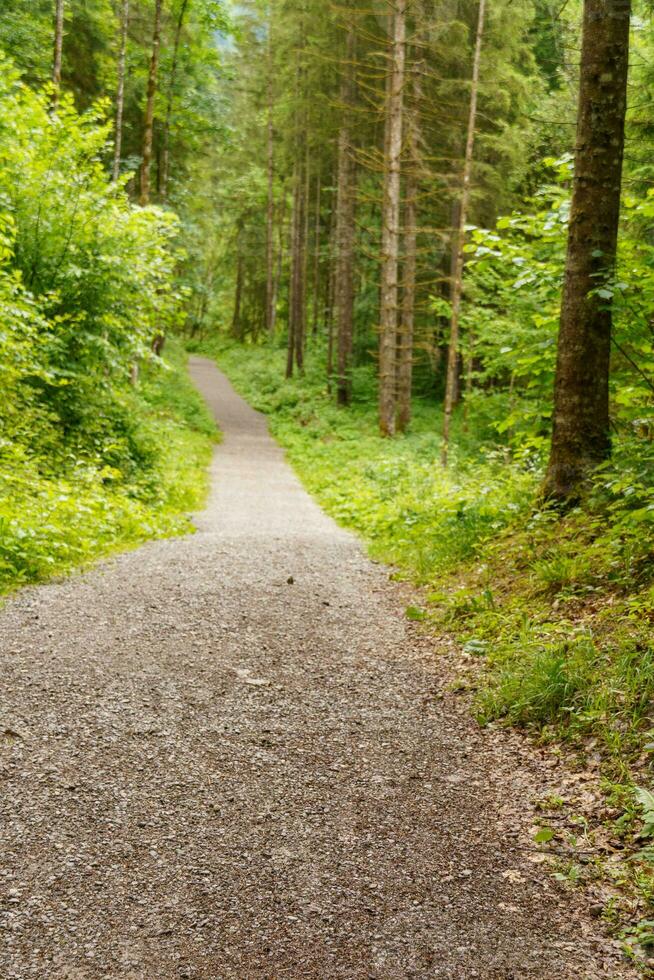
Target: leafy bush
(52,521)
(510,320)
(87,462)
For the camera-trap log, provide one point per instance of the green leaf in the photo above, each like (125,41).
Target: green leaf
(476,647)
(645,799)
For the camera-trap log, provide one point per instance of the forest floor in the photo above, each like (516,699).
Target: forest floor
(231,755)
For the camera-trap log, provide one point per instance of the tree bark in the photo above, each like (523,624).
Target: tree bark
(120,91)
(457,286)
(58,52)
(391,227)
(304,243)
(580,432)
(277,276)
(165,153)
(345,211)
(316,256)
(296,298)
(148,128)
(270,211)
(237,330)
(330,297)
(405,335)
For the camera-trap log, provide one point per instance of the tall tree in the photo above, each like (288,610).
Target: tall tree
(459,240)
(270,181)
(407,313)
(345,212)
(120,90)
(391,223)
(316,254)
(58,51)
(580,433)
(237,330)
(165,153)
(296,313)
(148,129)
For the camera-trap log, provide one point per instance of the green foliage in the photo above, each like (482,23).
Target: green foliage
(572,683)
(514,283)
(645,799)
(87,462)
(26,36)
(57,512)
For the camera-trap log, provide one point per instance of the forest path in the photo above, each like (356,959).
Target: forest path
(209,771)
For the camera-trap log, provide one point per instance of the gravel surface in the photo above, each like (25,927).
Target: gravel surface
(226,756)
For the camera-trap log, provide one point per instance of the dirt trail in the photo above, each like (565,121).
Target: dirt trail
(223,757)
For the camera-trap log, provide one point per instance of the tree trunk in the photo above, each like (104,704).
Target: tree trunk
(345,210)
(316,257)
(148,128)
(304,242)
(391,227)
(165,154)
(469,371)
(405,336)
(330,296)
(58,52)
(120,91)
(297,265)
(238,293)
(457,285)
(580,432)
(270,211)
(277,277)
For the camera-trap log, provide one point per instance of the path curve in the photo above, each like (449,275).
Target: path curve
(222,757)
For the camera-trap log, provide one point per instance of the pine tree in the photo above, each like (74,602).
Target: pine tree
(458,253)
(391,224)
(345,214)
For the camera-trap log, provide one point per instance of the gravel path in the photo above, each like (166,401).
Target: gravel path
(223,757)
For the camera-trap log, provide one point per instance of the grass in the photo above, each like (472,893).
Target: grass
(554,611)
(55,517)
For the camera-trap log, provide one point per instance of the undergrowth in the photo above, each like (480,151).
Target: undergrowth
(139,478)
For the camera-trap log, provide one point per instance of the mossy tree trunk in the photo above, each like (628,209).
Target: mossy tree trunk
(580,433)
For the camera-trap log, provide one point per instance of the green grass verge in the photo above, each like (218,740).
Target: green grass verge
(58,514)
